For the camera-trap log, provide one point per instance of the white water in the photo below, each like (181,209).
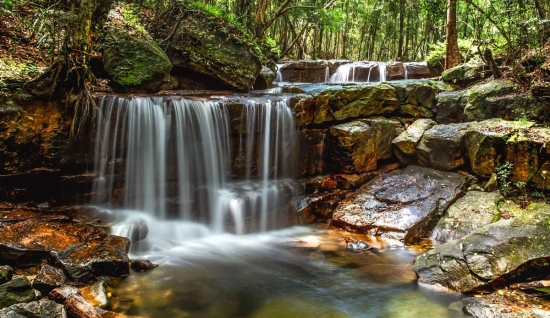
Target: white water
(172,159)
(279,75)
(405,70)
(349,72)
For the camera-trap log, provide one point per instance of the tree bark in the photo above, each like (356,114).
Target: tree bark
(452,54)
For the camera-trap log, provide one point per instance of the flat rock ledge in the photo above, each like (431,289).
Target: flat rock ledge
(506,304)
(402,204)
(496,255)
(82,251)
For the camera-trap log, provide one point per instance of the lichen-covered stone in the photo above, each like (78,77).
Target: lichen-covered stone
(466,73)
(206,48)
(506,304)
(348,102)
(6,273)
(415,111)
(131,57)
(474,210)
(402,204)
(492,256)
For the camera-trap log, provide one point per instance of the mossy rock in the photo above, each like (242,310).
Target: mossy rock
(131,57)
(208,48)
(466,74)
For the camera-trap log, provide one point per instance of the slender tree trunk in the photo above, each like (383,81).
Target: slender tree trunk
(452,54)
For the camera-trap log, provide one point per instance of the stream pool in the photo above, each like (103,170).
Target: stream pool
(310,271)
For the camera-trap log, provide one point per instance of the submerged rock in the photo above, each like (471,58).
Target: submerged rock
(506,304)
(37,309)
(402,204)
(83,251)
(474,210)
(492,256)
(142,265)
(131,56)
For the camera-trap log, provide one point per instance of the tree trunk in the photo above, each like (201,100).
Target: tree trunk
(452,54)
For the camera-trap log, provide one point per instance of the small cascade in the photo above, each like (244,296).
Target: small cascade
(173,158)
(327,74)
(406,71)
(279,75)
(382,69)
(345,73)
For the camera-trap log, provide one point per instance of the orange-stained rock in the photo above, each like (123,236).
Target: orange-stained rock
(82,250)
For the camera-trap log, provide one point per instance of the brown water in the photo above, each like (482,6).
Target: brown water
(297,272)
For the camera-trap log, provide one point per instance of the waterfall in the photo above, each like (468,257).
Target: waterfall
(279,75)
(406,71)
(382,69)
(172,158)
(343,72)
(327,74)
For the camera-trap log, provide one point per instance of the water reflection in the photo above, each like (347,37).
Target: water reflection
(296,272)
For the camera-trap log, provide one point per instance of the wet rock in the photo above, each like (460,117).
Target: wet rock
(418,93)
(207,49)
(442,147)
(474,210)
(6,273)
(63,293)
(16,291)
(319,207)
(486,143)
(356,245)
(265,79)
(131,56)
(351,148)
(402,204)
(395,71)
(83,251)
(506,304)
(95,294)
(312,153)
(142,265)
(450,107)
(79,308)
(523,153)
(36,309)
(466,74)
(304,71)
(495,255)
(303,109)
(49,278)
(138,231)
(405,144)
(538,284)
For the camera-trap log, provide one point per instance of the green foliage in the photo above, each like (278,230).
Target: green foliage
(504,172)
(6,6)
(437,51)
(212,10)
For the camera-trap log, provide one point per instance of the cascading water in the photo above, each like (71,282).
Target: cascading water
(406,71)
(172,158)
(345,73)
(382,70)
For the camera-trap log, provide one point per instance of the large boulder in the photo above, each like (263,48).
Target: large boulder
(486,143)
(472,211)
(131,56)
(442,147)
(82,251)
(402,204)
(207,49)
(492,256)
